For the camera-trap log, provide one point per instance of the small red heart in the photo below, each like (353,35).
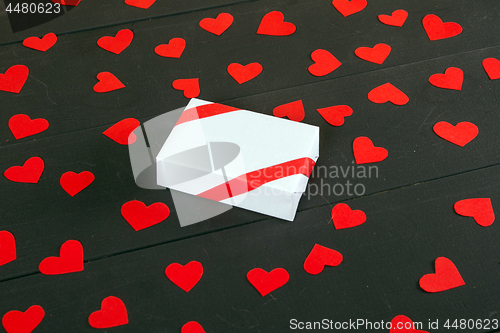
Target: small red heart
(30,172)
(191,87)
(478,208)
(192,327)
(67,2)
(265,282)
(334,115)
(107,82)
(403,324)
(7,247)
(366,152)
(73,182)
(397,19)
(388,93)
(272,24)
(116,44)
(121,132)
(319,257)
(140,216)
(22,125)
(173,49)
(294,111)
(436,29)
(492,68)
(446,277)
(185,277)
(376,54)
(324,63)
(14,78)
(23,322)
(460,134)
(70,260)
(41,44)
(144,4)
(451,79)
(112,313)
(349,7)
(217,25)
(343,217)
(245,73)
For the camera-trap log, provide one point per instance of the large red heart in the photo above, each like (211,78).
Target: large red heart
(116,44)
(388,93)
(70,260)
(334,115)
(343,217)
(121,132)
(23,322)
(265,282)
(273,24)
(446,277)
(478,208)
(217,25)
(191,87)
(245,73)
(376,54)
(403,324)
(67,2)
(185,277)
(460,134)
(294,111)
(173,49)
(324,63)
(192,327)
(14,78)
(30,172)
(107,82)
(144,4)
(366,152)
(436,29)
(22,125)
(112,313)
(73,182)
(319,257)
(7,247)
(140,216)
(451,79)
(492,68)
(397,19)
(349,7)
(41,44)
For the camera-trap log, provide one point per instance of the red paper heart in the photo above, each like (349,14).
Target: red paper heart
(319,257)
(245,73)
(349,7)
(334,115)
(325,63)
(23,322)
(272,24)
(144,4)
(140,216)
(7,247)
(492,68)
(387,93)
(70,260)
(30,172)
(22,125)
(116,44)
(265,282)
(67,2)
(446,277)
(173,49)
(460,134)
(377,54)
(451,79)
(112,313)
(73,182)
(343,217)
(185,277)
(478,208)
(294,111)
(397,19)
(192,327)
(41,44)
(436,29)
(217,25)
(366,152)
(14,78)
(403,324)
(107,82)
(121,132)
(191,87)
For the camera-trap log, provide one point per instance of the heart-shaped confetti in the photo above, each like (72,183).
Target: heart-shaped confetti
(265,282)
(191,87)
(334,115)
(41,44)
(185,277)
(403,324)
(22,125)
(121,132)
(14,78)
(324,63)
(144,4)
(30,172)
(67,2)
(492,68)
(366,152)
(23,322)
(319,257)
(445,278)
(451,79)
(396,19)
(116,44)
(460,134)
(140,216)
(112,313)
(245,73)
(478,208)
(7,247)
(192,327)
(73,182)
(349,7)
(107,82)
(344,217)
(217,25)
(388,93)
(70,260)
(173,49)
(376,54)
(294,111)
(436,29)
(273,24)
